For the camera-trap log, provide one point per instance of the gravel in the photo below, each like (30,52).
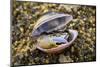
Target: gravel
(23,47)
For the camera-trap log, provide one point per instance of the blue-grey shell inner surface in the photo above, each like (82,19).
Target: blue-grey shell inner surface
(59,40)
(51,24)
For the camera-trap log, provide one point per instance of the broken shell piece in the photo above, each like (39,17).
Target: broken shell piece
(51,22)
(60,47)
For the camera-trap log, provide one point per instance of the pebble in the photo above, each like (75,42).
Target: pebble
(63,59)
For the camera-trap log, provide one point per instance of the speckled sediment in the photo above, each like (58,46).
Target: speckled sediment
(23,48)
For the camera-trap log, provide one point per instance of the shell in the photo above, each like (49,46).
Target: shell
(51,22)
(48,42)
(61,47)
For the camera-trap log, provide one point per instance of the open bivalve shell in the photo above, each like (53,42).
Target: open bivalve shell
(53,22)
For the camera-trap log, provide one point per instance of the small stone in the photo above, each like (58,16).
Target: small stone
(72,49)
(46,61)
(63,59)
(22,30)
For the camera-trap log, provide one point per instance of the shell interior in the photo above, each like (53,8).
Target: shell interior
(51,22)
